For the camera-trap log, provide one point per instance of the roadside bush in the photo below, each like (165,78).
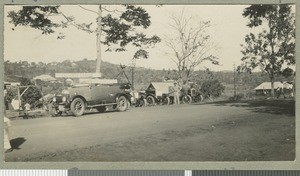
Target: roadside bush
(11,94)
(31,96)
(239,96)
(212,88)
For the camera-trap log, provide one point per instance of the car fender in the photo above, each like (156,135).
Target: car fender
(125,95)
(150,94)
(77,96)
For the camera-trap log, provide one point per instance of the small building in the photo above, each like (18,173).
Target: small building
(7,84)
(45,77)
(265,87)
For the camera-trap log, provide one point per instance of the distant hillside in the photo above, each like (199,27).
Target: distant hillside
(16,71)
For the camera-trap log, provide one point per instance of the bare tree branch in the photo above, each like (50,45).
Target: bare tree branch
(190,45)
(112,11)
(78,26)
(88,9)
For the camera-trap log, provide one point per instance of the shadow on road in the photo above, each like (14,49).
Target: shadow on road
(16,143)
(277,106)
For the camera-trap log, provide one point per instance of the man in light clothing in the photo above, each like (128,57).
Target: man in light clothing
(176,93)
(7,146)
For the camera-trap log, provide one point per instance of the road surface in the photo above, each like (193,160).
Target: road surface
(203,132)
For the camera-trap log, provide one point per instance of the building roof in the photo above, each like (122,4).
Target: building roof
(98,81)
(45,78)
(161,86)
(12,83)
(267,85)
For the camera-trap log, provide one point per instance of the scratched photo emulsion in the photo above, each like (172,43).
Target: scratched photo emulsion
(127,83)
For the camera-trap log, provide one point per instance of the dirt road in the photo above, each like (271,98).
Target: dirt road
(244,131)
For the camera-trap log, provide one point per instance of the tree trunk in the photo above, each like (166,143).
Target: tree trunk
(99,30)
(294,85)
(272,87)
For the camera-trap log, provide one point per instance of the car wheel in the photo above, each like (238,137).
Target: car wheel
(52,110)
(150,101)
(187,99)
(166,101)
(143,102)
(77,107)
(171,100)
(128,105)
(122,103)
(199,98)
(101,109)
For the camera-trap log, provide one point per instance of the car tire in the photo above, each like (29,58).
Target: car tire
(187,99)
(128,105)
(171,100)
(150,101)
(141,102)
(166,101)
(144,102)
(77,107)
(122,103)
(199,98)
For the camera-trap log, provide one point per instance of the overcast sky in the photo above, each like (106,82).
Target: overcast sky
(227,31)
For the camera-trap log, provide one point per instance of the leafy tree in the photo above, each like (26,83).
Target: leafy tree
(208,82)
(273,47)
(288,72)
(119,27)
(12,93)
(189,45)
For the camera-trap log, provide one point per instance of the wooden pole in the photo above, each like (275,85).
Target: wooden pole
(99,31)
(19,96)
(234,81)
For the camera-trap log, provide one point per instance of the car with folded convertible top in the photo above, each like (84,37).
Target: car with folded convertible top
(79,98)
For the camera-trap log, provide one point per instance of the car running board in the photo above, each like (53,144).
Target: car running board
(91,106)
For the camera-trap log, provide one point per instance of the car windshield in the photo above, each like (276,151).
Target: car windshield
(81,85)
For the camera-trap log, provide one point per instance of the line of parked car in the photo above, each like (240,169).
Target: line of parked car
(118,96)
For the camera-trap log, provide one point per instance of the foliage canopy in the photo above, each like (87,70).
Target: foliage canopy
(120,28)
(273,48)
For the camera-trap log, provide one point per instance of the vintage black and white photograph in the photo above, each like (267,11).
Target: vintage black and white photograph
(143,83)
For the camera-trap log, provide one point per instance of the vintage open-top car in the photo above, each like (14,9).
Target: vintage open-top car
(190,94)
(138,98)
(79,98)
(159,93)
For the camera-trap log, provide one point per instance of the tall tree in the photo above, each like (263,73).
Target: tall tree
(119,27)
(273,48)
(189,45)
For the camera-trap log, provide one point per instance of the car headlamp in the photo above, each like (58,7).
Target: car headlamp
(54,99)
(127,90)
(64,99)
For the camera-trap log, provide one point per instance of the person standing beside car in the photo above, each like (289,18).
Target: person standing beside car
(7,146)
(177,89)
